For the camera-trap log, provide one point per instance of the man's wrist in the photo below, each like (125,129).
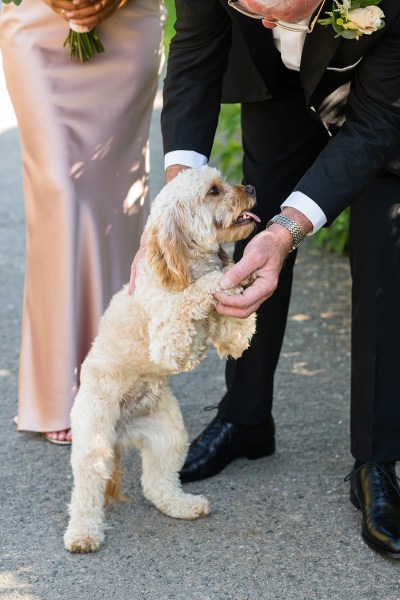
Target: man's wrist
(307,207)
(298,217)
(290,226)
(282,237)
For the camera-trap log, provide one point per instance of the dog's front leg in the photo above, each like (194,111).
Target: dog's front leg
(163,442)
(93,426)
(177,339)
(231,336)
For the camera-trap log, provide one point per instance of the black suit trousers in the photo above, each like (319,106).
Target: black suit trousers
(281,139)
(375,366)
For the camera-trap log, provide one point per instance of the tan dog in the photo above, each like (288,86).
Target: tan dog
(164,328)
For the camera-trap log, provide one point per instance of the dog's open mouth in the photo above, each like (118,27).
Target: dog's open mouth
(245,218)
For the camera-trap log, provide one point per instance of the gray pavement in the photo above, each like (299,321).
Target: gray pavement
(281,528)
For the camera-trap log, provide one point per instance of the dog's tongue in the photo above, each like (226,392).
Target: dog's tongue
(248,215)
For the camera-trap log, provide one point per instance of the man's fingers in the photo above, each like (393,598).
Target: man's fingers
(242,305)
(172,171)
(228,311)
(131,286)
(134,267)
(236,274)
(239,313)
(250,296)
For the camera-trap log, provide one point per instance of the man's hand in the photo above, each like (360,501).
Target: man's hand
(264,256)
(173,170)
(136,259)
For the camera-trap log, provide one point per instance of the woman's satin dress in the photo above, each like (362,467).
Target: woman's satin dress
(84,137)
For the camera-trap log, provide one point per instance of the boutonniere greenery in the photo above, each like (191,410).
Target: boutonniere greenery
(83,42)
(353,18)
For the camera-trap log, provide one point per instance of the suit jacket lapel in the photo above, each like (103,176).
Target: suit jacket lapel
(319,48)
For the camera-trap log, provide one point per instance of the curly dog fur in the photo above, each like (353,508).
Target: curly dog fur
(165,327)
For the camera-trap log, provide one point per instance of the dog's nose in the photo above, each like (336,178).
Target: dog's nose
(249,189)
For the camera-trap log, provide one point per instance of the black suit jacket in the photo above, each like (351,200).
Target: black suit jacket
(364,100)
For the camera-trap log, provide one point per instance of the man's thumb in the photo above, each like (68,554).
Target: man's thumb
(232,277)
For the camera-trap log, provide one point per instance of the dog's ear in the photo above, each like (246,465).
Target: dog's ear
(166,253)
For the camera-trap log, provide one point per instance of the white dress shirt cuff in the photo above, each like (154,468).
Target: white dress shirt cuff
(308,207)
(188,158)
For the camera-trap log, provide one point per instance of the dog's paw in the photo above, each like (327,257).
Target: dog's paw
(192,507)
(231,349)
(210,282)
(187,506)
(238,289)
(248,281)
(82,543)
(242,285)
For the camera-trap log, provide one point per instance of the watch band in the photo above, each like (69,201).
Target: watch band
(291,226)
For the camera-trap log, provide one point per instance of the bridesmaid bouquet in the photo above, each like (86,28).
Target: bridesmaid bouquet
(83,42)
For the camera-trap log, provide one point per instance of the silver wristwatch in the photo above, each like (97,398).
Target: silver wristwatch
(291,226)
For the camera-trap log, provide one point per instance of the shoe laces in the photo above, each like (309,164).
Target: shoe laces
(210,430)
(386,484)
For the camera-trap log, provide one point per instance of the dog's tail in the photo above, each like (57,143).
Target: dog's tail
(112,492)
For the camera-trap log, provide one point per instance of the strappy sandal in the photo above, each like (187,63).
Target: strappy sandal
(58,442)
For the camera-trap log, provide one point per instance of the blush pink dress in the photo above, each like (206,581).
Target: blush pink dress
(84,132)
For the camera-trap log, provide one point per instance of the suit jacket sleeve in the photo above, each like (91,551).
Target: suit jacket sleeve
(371,130)
(196,64)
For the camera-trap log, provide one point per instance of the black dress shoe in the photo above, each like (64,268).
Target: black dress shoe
(375,490)
(221,442)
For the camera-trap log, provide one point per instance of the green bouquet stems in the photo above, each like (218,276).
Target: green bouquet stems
(83,46)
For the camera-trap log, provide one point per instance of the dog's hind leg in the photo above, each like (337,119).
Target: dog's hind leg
(93,426)
(163,442)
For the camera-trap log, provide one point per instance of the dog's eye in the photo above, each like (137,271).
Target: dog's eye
(214,190)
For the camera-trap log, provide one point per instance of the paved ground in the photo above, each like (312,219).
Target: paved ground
(281,528)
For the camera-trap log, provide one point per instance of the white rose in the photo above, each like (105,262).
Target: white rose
(366,20)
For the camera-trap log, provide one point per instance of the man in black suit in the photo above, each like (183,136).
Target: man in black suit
(321,131)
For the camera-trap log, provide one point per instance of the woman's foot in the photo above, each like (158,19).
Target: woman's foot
(63,437)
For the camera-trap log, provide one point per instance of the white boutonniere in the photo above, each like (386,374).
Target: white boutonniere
(353,18)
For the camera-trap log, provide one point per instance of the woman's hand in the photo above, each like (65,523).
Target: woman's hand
(91,14)
(61,7)
(85,13)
